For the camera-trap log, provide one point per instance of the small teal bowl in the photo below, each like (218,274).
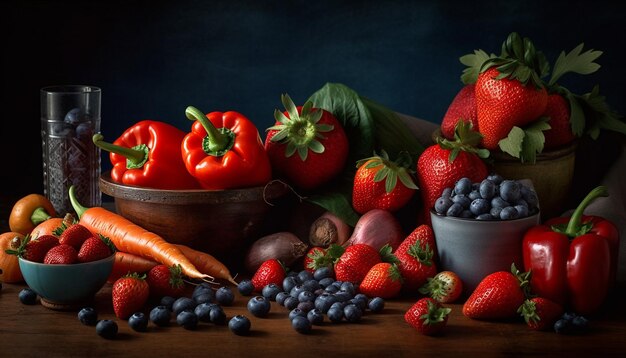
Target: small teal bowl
(67,284)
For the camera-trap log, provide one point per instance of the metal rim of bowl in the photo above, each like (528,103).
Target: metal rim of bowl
(272,190)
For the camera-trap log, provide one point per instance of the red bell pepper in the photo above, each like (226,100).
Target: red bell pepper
(224,151)
(573,261)
(148,155)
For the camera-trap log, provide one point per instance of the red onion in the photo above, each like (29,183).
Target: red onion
(376,228)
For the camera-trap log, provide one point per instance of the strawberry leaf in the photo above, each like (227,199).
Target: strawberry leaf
(575,61)
(577,114)
(474,62)
(512,144)
(533,140)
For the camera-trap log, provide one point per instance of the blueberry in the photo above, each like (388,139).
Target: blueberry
(484,217)
(495,212)
(291,302)
(530,196)
(306,306)
(443,204)
(315,316)
(352,313)
(217,315)
(331,288)
(510,191)
(463,186)
(562,326)
(74,116)
(348,287)
(509,213)
(28,296)
(495,178)
(462,199)
(167,301)
(447,192)
(324,301)
(376,304)
(160,315)
(498,202)
(280,297)
(225,296)
(301,324)
(305,275)
(239,325)
(295,292)
(326,282)
(187,319)
(106,328)
(455,210)
(580,323)
(343,296)
(203,310)
(522,210)
(487,189)
(466,214)
(568,316)
(311,285)
(203,294)
(183,303)
(335,314)
(306,296)
(473,195)
(323,272)
(245,287)
(138,322)
(296,312)
(289,283)
(259,306)
(270,291)
(88,316)
(480,206)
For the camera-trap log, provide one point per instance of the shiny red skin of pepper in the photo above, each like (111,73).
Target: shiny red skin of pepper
(164,168)
(576,272)
(245,164)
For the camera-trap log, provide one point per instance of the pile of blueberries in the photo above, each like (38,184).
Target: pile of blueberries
(311,298)
(494,198)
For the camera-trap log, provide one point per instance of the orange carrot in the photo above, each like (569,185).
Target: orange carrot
(132,238)
(207,264)
(125,263)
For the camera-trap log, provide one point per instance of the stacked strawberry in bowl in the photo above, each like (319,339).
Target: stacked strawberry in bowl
(68,269)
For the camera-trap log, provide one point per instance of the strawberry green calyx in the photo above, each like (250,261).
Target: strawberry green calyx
(523,278)
(465,139)
(387,255)
(391,171)
(300,131)
(520,61)
(435,314)
(107,241)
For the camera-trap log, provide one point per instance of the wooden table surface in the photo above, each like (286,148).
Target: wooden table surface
(38,331)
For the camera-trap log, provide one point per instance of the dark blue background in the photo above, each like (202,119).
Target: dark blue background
(152,58)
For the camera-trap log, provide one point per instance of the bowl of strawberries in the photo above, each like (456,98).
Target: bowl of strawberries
(67,270)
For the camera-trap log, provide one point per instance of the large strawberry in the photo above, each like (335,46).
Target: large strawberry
(498,295)
(270,271)
(445,162)
(129,294)
(315,258)
(307,146)
(62,254)
(509,91)
(416,256)
(540,313)
(95,248)
(376,184)
(558,112)
(354,262)
(427,316)
(382,280)
(75,235)
(463,107)
(35,249)
(164,280)
(445,287)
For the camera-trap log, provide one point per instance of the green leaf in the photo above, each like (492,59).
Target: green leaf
(339,203)
(474,62)
(575,61)
(512,144)
(354,116)
(534,140)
